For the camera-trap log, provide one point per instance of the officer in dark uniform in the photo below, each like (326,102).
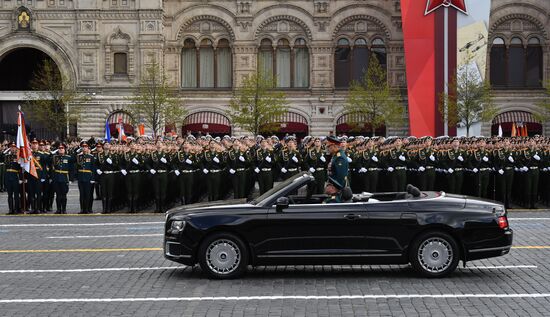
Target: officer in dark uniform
(12,180)
(339,165)
(62,165)
(34,185)
(3,151)
(290,159)
(85,174)
(238,165)
(187,164)
(107,167)
(213,166)
(333,190)
(317,165)
(131,167)
(397,166)
(42,163)
(159,167)
(265,161)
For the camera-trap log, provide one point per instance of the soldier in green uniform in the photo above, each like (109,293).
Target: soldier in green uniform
(12,180)
(85,174)
(397,166)
(238,163)
(3,151)
(33,184)
(187,162)
(333,190)
(42,163)
(131,166)
(290,160)
(97,186)
(339,164)
(531,160)
(159,166)
(62,165)
(265,161)
(213,166)
(317,165)
(107,168)
(482,166)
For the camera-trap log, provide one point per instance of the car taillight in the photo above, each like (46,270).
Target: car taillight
(503,222)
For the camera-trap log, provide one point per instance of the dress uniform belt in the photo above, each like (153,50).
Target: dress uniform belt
(187,171)
(12,170)
(134,171)
(373,169)
(484,169)
(533,168)
(320,169)
(215,171)
(241,169)
(458,169)
(292,169)
(2,163)
(508,168)
(400,168)
(429,167)
(266,169)
(110,172)
(85,171)
(62,172)
(162,171)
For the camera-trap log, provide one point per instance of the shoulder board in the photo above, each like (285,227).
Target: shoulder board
(338,154)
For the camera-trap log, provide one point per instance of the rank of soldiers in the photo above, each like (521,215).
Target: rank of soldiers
(144,175)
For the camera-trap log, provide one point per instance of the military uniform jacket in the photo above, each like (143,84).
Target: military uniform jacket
(338,167)
(290,159)
(61,167)
(42,164)
(209,161)
(316,159)
(129,160)
(13,169)
(261,159)
(187,161)
(103,164)
(156,162)
(235,162)
(85,168)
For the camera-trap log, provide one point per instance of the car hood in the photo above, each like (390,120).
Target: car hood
(209,206)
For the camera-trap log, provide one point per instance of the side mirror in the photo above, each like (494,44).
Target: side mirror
(282,203)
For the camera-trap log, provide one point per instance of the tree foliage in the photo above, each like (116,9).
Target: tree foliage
(469,98)
(54,101)
(544,106)
(154,103)
(256,107)
(372,103)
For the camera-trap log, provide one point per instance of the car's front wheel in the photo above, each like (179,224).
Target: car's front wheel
(434,254)
(223,256)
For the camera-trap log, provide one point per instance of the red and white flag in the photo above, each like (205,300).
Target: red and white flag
(25,153)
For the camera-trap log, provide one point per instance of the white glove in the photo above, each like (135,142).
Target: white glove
(188,161)
(450,170)
(135,161)
(42,180)
(295,159)
(92,182)
(374,158)
(163,160)
(349,159)
(402,158)
(432,158)
(109,160)
(241,158)
(545,169)
(501,172)
(485,159)
(99,172)
(268,159)
(231,171)
(177,172)
(516,169)
(20,182)
(323,159)
(205,171)
(536,157)
(421,168)
(475,170)
(257,170)
(363,170)
(390,169)
(217,160)
(124,172)
(511,159)
(525,168)
(460,158)
(312,170)
(153,171)
(283,170)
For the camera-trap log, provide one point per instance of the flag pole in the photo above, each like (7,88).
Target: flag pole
(24,191)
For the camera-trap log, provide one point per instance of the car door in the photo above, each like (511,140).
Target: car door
(390,226)
(313,230)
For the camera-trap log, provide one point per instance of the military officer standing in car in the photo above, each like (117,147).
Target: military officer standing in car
(339,165)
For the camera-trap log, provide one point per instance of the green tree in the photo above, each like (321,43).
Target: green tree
(544,106)
(154,102)
(469,99)
(54,100)
(256,107)
(372,102)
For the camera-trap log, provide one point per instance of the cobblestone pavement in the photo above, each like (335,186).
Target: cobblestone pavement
(113,266)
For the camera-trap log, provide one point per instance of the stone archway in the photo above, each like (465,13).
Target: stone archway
(19,67)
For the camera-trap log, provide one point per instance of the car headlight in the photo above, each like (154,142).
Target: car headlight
(177,226)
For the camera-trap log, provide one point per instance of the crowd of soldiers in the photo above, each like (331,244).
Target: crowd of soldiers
(164,172)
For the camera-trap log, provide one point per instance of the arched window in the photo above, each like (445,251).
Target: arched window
(516,65)
(206,66)
(534,63)
(291,64)
(121,64)
(223,64)
(342,64)
(189,64)
(301,64)
(351,62)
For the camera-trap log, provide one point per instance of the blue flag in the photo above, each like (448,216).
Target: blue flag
(107,132)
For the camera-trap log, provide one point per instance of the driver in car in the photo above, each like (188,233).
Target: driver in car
(334,190)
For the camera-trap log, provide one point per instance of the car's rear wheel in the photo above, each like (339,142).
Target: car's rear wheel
(434,254)
(223,256)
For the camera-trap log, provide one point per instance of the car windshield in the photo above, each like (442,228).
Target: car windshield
(275,189)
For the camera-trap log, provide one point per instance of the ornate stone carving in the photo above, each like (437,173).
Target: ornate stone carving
(87,26)
(244,7)
(361,24)
(321,6)
(518,23)
(119,42)
(283,24)
(206,25)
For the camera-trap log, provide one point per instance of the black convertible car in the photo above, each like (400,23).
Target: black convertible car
(432,231)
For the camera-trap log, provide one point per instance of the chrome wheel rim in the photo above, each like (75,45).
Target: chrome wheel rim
(223,256)
(435,255)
